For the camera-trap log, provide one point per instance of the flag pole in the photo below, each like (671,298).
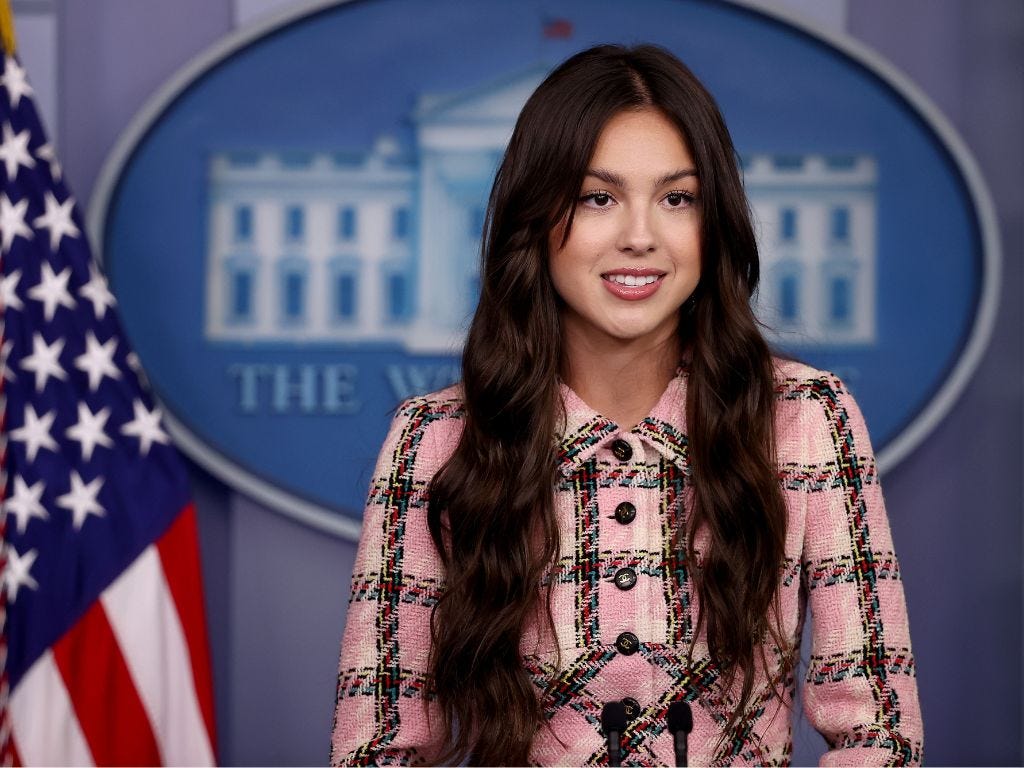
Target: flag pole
(7,28)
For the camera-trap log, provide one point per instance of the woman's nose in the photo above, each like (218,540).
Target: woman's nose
(637,234)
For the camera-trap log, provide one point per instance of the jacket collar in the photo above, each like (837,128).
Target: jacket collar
(586,431)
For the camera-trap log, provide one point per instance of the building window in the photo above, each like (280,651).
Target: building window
(294,294)
(789,297)
(400,224)
(243,223)
(241,295)
(839,225)
(787,225)
(839,281)
(240,290)
(293,276)
(399,298)
(840,309)
(294,223)
(347,223)
(345,296)
(343,289)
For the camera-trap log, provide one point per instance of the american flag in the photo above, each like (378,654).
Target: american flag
(104,650)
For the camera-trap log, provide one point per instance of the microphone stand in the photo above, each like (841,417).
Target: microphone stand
(613,721)
(680,723)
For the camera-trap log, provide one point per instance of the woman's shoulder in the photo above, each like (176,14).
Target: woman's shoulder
(816,404)
(789,371)
(795,380)
(427,427)
(802,390)
(443,403)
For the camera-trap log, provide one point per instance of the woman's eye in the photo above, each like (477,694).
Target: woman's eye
(678,199)
(597,199)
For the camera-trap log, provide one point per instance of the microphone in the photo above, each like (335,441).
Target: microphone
(680,723)
(613,720)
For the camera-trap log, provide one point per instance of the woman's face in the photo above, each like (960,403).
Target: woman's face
(634,252)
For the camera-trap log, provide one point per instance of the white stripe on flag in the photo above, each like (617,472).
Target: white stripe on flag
(145,621)
(44,724)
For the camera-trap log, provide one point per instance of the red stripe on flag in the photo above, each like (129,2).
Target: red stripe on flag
(11,753)
(102,692)
(179,554)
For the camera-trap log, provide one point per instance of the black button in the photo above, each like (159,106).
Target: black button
(625,513)
(621,450)
(625,578)
(627,643)
(632,707)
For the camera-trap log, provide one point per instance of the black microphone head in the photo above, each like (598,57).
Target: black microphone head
(680,718)
(613,717)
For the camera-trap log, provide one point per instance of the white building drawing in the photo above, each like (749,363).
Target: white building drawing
(383,247)
(815,217)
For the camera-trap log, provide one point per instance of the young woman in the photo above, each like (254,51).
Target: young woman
(627,499)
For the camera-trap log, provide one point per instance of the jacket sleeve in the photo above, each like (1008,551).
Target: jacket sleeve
(860,692)
(382,716)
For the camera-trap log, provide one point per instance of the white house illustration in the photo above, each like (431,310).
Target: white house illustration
(815,217)
(383,247)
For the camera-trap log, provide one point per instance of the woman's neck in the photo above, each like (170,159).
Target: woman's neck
(622,382)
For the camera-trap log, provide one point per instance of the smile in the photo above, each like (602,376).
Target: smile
(632,279)
(632,286)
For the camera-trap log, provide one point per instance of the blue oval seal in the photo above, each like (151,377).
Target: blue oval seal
(292,224)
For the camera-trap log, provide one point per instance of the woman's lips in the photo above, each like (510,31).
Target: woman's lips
(632,284)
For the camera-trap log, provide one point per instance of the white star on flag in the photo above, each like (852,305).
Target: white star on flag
(14,151)
(25,504)
(9,291)
(98,360)
(57,219)
(145,426)
(14,81)
(81,499)
(12,222)
(44,360)
(89,430)
(97,292)
(35,432)
(45,153)
(52,289)
(16,571)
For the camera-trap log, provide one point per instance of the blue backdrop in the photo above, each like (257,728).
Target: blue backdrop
(276,590)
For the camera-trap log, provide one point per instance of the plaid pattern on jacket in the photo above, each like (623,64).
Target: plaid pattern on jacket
(860,689)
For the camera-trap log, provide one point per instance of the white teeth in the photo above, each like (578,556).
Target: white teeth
(632,280)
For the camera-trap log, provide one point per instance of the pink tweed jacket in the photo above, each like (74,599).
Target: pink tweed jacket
(619,496)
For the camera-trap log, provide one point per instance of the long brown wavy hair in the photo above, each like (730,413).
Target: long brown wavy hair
(491,507)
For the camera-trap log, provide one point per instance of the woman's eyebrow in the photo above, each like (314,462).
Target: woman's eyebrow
(608,177)
(682,173)
(616,180)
